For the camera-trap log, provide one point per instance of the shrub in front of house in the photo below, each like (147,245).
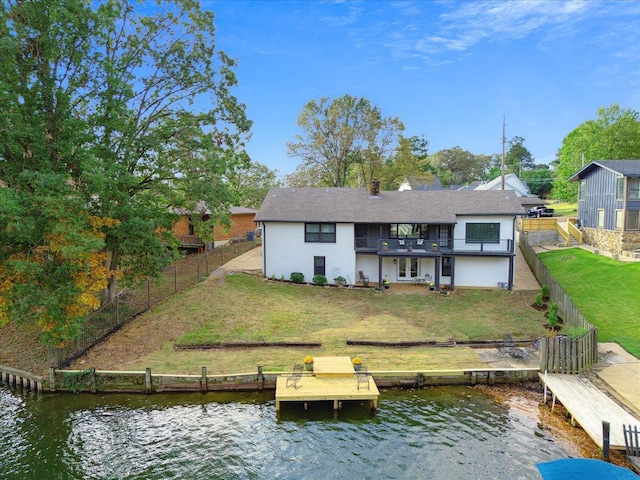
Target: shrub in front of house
(297,277)
(320,280)
(340,280)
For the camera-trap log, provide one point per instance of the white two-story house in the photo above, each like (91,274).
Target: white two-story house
(453,238)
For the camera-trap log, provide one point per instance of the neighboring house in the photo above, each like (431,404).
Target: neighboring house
(415,183)
(390,234)
(609,204)
(242,222)
(511,182)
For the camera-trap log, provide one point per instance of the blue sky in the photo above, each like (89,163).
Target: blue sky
(448,70)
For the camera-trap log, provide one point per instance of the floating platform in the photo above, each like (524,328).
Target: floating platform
(333,379)
(589,406)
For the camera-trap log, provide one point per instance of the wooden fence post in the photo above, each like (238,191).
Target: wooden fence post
(52,379)
(94,386)
(147,380)
(203,380)
(260,379)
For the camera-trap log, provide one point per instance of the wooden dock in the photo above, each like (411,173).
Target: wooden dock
(589,406)
(333,379)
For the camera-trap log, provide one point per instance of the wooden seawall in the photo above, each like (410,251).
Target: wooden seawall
(20,379)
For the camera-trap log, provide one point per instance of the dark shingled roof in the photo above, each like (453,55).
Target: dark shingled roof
(356,205)
(628,168)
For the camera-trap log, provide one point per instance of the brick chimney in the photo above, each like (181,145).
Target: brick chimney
(375,187)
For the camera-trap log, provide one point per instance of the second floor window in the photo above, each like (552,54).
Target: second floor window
(320,232)
(633,186)
(619,188)
(581,190)
(483,233)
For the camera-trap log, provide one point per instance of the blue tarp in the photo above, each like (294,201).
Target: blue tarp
(583,469)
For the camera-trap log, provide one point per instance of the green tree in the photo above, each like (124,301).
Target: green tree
(455,166)
(253,183)
(344,142)
(539,180)
(109,119)
(518,158)
(613,135)
(411,160)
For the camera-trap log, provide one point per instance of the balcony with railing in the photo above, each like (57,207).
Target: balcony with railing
(431,247)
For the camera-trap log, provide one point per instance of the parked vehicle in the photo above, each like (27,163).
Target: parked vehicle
(540,211)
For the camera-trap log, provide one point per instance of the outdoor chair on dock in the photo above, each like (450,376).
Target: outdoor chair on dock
(294,377)
(632,444)
(362,376)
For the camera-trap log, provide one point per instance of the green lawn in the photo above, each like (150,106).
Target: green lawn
(249,308)
(606,291)
(563,209)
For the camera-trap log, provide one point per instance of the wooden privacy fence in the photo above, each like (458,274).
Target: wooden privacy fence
(132,302)
(562,354)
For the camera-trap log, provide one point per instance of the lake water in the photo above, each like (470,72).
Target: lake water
(437,433)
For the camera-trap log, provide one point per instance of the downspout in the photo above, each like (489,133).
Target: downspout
(264,248)
(512,263)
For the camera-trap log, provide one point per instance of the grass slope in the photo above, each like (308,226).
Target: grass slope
(606,291)
(248,308)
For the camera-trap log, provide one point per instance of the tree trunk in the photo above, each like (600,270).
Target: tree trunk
(109,294)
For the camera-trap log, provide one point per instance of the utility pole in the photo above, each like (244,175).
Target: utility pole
(502,162)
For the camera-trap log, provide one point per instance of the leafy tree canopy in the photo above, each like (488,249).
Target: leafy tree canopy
(344,142)
(613,135)
(110,119)
(518,158)
(456,166)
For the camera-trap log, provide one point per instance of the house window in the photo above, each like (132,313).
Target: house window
(446,266)
(320,232)
(600,218)
(582,186)
(619,218)
(482,233)
(319,266)
(633,220)
(619,188)
(407,230)
(633,187)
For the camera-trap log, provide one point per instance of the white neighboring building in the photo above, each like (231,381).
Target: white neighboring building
(446,237)
(511,182)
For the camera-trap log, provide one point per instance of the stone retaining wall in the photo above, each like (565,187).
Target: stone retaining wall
(611,240)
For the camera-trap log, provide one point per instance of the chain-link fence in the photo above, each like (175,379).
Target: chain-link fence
(132,302)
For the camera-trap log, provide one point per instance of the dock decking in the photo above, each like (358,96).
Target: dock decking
(589,406)
(333,378)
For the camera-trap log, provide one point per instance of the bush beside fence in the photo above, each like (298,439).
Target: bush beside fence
(560,354)
(132,302)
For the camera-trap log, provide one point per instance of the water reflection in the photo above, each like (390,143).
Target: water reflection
(440,433)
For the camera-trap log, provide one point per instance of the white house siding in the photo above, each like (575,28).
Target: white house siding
(285,251)
(506,233)
(368,264)
(481,271)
